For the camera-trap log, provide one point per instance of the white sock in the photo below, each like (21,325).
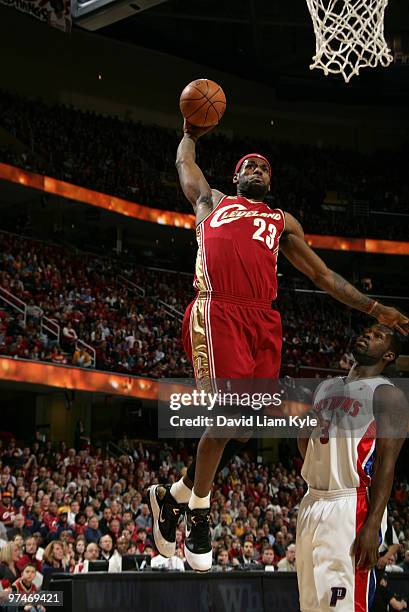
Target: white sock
(196,503)
(180,492)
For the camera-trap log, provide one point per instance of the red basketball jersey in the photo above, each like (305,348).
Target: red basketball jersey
(238,246)
(20,587)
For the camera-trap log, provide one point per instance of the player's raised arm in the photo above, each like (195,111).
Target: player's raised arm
(297,251)
(193,183)
(392,416)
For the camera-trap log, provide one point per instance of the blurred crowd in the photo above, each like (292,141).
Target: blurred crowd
(131,316)
(85,297)
(62,508)
(136,161)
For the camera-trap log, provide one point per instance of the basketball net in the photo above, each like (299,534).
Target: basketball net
(349,36)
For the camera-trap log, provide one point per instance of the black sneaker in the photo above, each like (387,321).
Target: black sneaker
(198,544)
(166,513)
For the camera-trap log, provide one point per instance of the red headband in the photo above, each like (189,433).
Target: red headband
(243,159)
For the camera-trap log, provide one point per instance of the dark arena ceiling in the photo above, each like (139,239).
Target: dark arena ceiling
(268,41)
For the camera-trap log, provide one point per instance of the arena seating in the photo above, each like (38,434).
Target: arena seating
(129,333)
(131,316)
(329,191)
(76,495)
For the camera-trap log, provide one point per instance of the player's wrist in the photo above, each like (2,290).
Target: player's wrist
(373,308)
(373,523)
(190,136)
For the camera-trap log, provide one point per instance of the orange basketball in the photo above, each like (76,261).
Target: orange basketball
(203,103)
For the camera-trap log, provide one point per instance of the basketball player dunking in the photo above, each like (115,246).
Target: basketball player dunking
(230,330)
(349,467)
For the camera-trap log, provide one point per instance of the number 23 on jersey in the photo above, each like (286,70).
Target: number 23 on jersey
(264,233)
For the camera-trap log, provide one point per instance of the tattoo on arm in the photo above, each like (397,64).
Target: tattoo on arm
(347,293)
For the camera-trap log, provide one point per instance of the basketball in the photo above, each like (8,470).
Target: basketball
(203,103)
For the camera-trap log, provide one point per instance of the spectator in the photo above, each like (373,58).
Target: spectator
(74,509)
(25,585)
(279,546)
(268,558)
(18,528)
(385,599)
(235,551)
(7,512)
(248,556)
(62,523)
(144,519)
(141,540)
(20,498)
(114,529)
(53,559)
(92,533)
(122,546)
(405,563)
(91,554)
(50,521)
(104,523)
(288,564)
(223,563)
(80,523)
(39,542)
(108,553)
(69,335)
(31,514)
(81,358)
(79,549)
(29,555)
(9,556)
(56,355)
(34,312)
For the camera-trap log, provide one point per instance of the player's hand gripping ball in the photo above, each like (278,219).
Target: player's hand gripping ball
(202,103)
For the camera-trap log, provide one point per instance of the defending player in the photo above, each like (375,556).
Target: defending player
(349,467)
(230,330)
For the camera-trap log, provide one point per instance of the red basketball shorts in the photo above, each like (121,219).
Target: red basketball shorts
(227,337)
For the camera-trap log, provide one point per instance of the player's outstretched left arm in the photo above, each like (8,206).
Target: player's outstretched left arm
(392,416)
(297,251)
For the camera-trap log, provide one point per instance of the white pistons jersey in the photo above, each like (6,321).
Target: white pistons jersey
(341,451)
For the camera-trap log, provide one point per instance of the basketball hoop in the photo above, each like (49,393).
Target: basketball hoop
(349,36)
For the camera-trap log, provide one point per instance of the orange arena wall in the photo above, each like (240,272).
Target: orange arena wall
(175,219)
(63,377)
